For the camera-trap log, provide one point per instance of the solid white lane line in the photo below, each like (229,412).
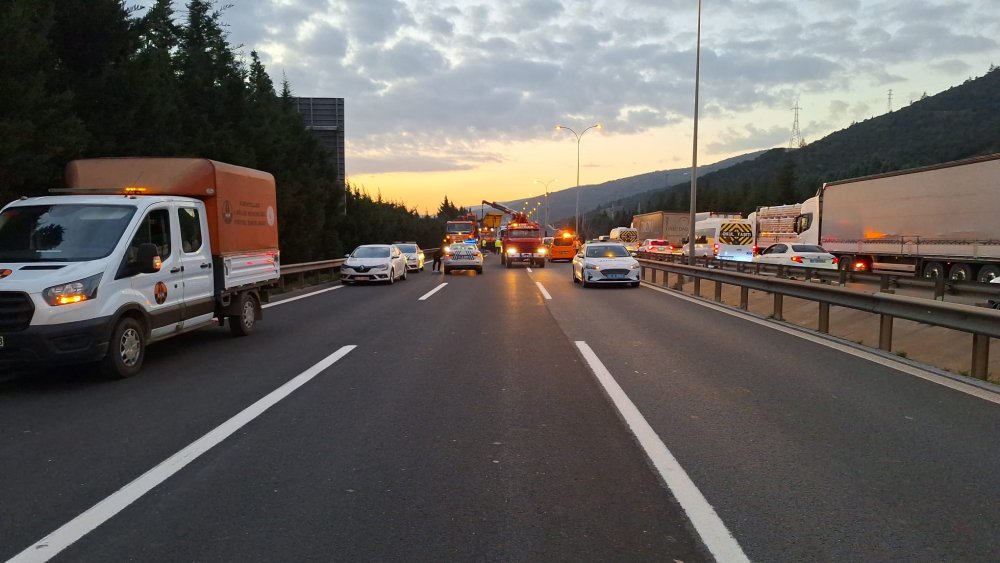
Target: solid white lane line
(719,541)
(529,270)
(542,289)
(68,533)
(297,297)
(433,291)
(887,362)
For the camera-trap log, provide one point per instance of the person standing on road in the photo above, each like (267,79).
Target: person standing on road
(437,259)
(496,245)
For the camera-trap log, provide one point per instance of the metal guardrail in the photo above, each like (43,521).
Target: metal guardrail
(887,282)
(981,322)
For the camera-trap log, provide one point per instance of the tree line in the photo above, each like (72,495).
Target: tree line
(95,78)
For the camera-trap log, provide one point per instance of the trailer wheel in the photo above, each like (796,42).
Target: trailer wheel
(244,323)
(933,270)
(988,273)
(960,272)
(126,350)
(846,262)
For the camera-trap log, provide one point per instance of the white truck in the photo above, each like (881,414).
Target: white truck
(941,220)
(137,250)
(628,236)
(775,224)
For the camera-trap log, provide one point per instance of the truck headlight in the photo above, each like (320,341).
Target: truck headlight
(512,250)
(72,292)
(541,250)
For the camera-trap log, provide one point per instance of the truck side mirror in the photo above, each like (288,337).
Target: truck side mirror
(148,258)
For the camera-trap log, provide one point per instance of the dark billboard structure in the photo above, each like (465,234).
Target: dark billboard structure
(325,118)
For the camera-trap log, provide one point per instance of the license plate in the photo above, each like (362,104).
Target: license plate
(817,261)
(616,276)
(362,278)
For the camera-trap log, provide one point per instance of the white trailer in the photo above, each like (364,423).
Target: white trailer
(931,221)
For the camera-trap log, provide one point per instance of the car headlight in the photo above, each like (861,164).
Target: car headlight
(591,267)
(379,268)
(72,292)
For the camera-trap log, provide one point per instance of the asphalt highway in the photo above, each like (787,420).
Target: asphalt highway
(389,423)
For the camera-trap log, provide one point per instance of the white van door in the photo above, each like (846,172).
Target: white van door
(162,291)
(196,265)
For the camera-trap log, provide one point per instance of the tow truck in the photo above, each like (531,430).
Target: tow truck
(463,229)
(522,239)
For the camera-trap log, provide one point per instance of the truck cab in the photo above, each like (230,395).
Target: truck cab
(95,278)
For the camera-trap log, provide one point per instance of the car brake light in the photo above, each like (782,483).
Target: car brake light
(835,260)
(797,259)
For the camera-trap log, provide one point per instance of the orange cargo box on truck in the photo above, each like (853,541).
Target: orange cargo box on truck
(240,203)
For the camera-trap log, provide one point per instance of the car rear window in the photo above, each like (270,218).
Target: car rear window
(658,243)
(562,242)
(807,248)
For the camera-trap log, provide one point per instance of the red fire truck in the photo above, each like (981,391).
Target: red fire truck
(522,239)
(463,229)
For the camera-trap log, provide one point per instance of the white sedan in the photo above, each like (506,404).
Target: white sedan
(605,263)
(374,262)
(414,256)
(801,255)
(656,246)
(462,256)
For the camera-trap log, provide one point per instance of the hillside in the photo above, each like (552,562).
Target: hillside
(961,122)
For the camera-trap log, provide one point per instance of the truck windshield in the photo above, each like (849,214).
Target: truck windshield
(61,233)
(524,233)
(459,228)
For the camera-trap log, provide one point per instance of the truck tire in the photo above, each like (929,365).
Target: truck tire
(126,350)
(509,265)
(988,273)
(846,262)
(541,263)
(960,272)
(933,270)
(243,323)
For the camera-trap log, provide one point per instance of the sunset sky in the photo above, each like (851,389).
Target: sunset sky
(459,98)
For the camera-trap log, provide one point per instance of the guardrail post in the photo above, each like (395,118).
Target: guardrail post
(778,303)
(281,282)
(697,286)
(756,268)
(718,292)
(885,333)
(842,280)
(824,317)
(939,288)
(884,284)
(980,356)
(679,284)
(744,297)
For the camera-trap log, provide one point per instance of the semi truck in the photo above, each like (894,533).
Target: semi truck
(521,239)
(774,224)
(671,226)
(133,251)
(941,220)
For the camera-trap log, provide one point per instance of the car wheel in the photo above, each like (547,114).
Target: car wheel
(635,284)
(244,323)
(933,270)
(402,277)
(126,350)
(446,270)
(960,272)
(573,273)
(392,276)
(988,273)
(479,270)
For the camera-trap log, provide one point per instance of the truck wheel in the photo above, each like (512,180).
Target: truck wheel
(541,264)
(126,350)
(960,272)
(988,273)
(933,270)
(509,265)
(846,262)
(244,323)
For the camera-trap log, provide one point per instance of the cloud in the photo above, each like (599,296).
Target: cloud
(454,74)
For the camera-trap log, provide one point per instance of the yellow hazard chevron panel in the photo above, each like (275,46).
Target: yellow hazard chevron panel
(736,233)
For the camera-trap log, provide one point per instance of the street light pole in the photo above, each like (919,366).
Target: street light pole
(578,136)
(546,184)
(694,151)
